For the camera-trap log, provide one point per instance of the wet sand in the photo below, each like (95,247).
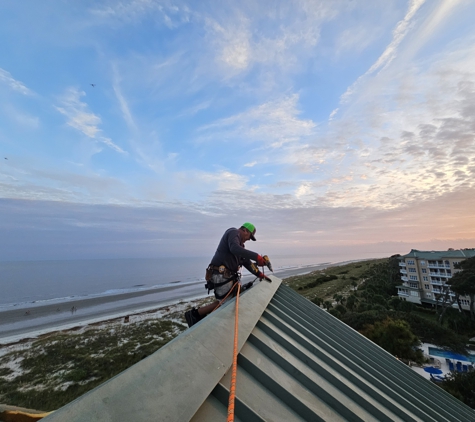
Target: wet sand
(23,314)
(40,318)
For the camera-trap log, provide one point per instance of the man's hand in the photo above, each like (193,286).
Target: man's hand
(260,261)
(262,276)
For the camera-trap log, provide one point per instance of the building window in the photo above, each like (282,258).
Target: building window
(429,295)
(455,263)
(425,278)
(413,277)
(426,286)
(414,293)
(410,262)
(422,262)
(412,270)
(424,271)
(413,285)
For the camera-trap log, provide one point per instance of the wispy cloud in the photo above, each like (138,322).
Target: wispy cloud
(18,86)
(240,43)
(132,11)
(80,118)
(401,30)
(274,124)
(124,106)
(399,33)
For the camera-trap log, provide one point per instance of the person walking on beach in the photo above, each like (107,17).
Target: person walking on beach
(223,271)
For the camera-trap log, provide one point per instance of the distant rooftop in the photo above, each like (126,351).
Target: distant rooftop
(434,255)
(296,363)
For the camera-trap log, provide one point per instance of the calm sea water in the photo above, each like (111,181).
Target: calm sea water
(34,281)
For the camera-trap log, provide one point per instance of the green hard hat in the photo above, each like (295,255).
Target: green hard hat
(251,228)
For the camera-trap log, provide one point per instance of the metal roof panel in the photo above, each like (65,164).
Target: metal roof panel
(296,363)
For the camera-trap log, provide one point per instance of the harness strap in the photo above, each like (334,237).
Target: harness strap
(213,269)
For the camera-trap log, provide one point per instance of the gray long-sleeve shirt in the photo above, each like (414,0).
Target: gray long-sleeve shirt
(232,253)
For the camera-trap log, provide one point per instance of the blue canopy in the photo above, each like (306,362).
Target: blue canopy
(432,370)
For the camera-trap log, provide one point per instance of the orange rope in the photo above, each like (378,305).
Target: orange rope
(232,390)
(224,298)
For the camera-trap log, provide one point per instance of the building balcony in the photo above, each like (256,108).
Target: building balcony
(403,271)
(408,285)
(438,266)
(402,293)
(440,274)
(437,283)
(402,264)
(404,278)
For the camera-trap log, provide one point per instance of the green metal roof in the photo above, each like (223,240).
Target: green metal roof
(435,255)
(296,363)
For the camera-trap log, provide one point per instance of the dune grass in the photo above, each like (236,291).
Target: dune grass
(58,368)
(332,280)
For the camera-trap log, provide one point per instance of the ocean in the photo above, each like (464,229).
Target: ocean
(37,297)
(23,283)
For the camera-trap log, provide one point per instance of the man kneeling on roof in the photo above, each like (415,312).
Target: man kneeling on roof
(222,274)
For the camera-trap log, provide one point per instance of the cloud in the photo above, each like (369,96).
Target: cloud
(242,41)
(424,157)
(124,107)
(356,39)
(333,114)
(33,180)
(405,134)
(15,85)
(232,41)
(273,123)
(197,185)
(134,11)
(81,119)
(225,180)
(388,55)
(439,15)
(399,33)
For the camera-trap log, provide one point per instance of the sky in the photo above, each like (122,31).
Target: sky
(146,128)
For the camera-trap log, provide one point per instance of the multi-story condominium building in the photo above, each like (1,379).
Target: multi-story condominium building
(424,275)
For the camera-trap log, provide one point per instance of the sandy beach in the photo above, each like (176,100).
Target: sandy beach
(41,318)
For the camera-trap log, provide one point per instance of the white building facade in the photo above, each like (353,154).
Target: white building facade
(424,275)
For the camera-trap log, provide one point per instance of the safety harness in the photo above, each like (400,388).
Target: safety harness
(227,274)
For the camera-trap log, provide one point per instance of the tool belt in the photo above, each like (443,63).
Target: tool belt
(227,274)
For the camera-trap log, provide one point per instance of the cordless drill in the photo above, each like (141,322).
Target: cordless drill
(267,261)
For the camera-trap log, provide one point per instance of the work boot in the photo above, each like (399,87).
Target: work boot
(192,317)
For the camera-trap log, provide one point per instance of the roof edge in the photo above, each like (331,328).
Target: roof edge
(189,366)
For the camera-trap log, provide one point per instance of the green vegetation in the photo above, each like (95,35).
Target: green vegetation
(463,283)
(364,296)
(325,283)
(396,337)
(461,385)
(59,368)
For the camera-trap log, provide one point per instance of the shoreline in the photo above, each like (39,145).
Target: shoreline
(22,323)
